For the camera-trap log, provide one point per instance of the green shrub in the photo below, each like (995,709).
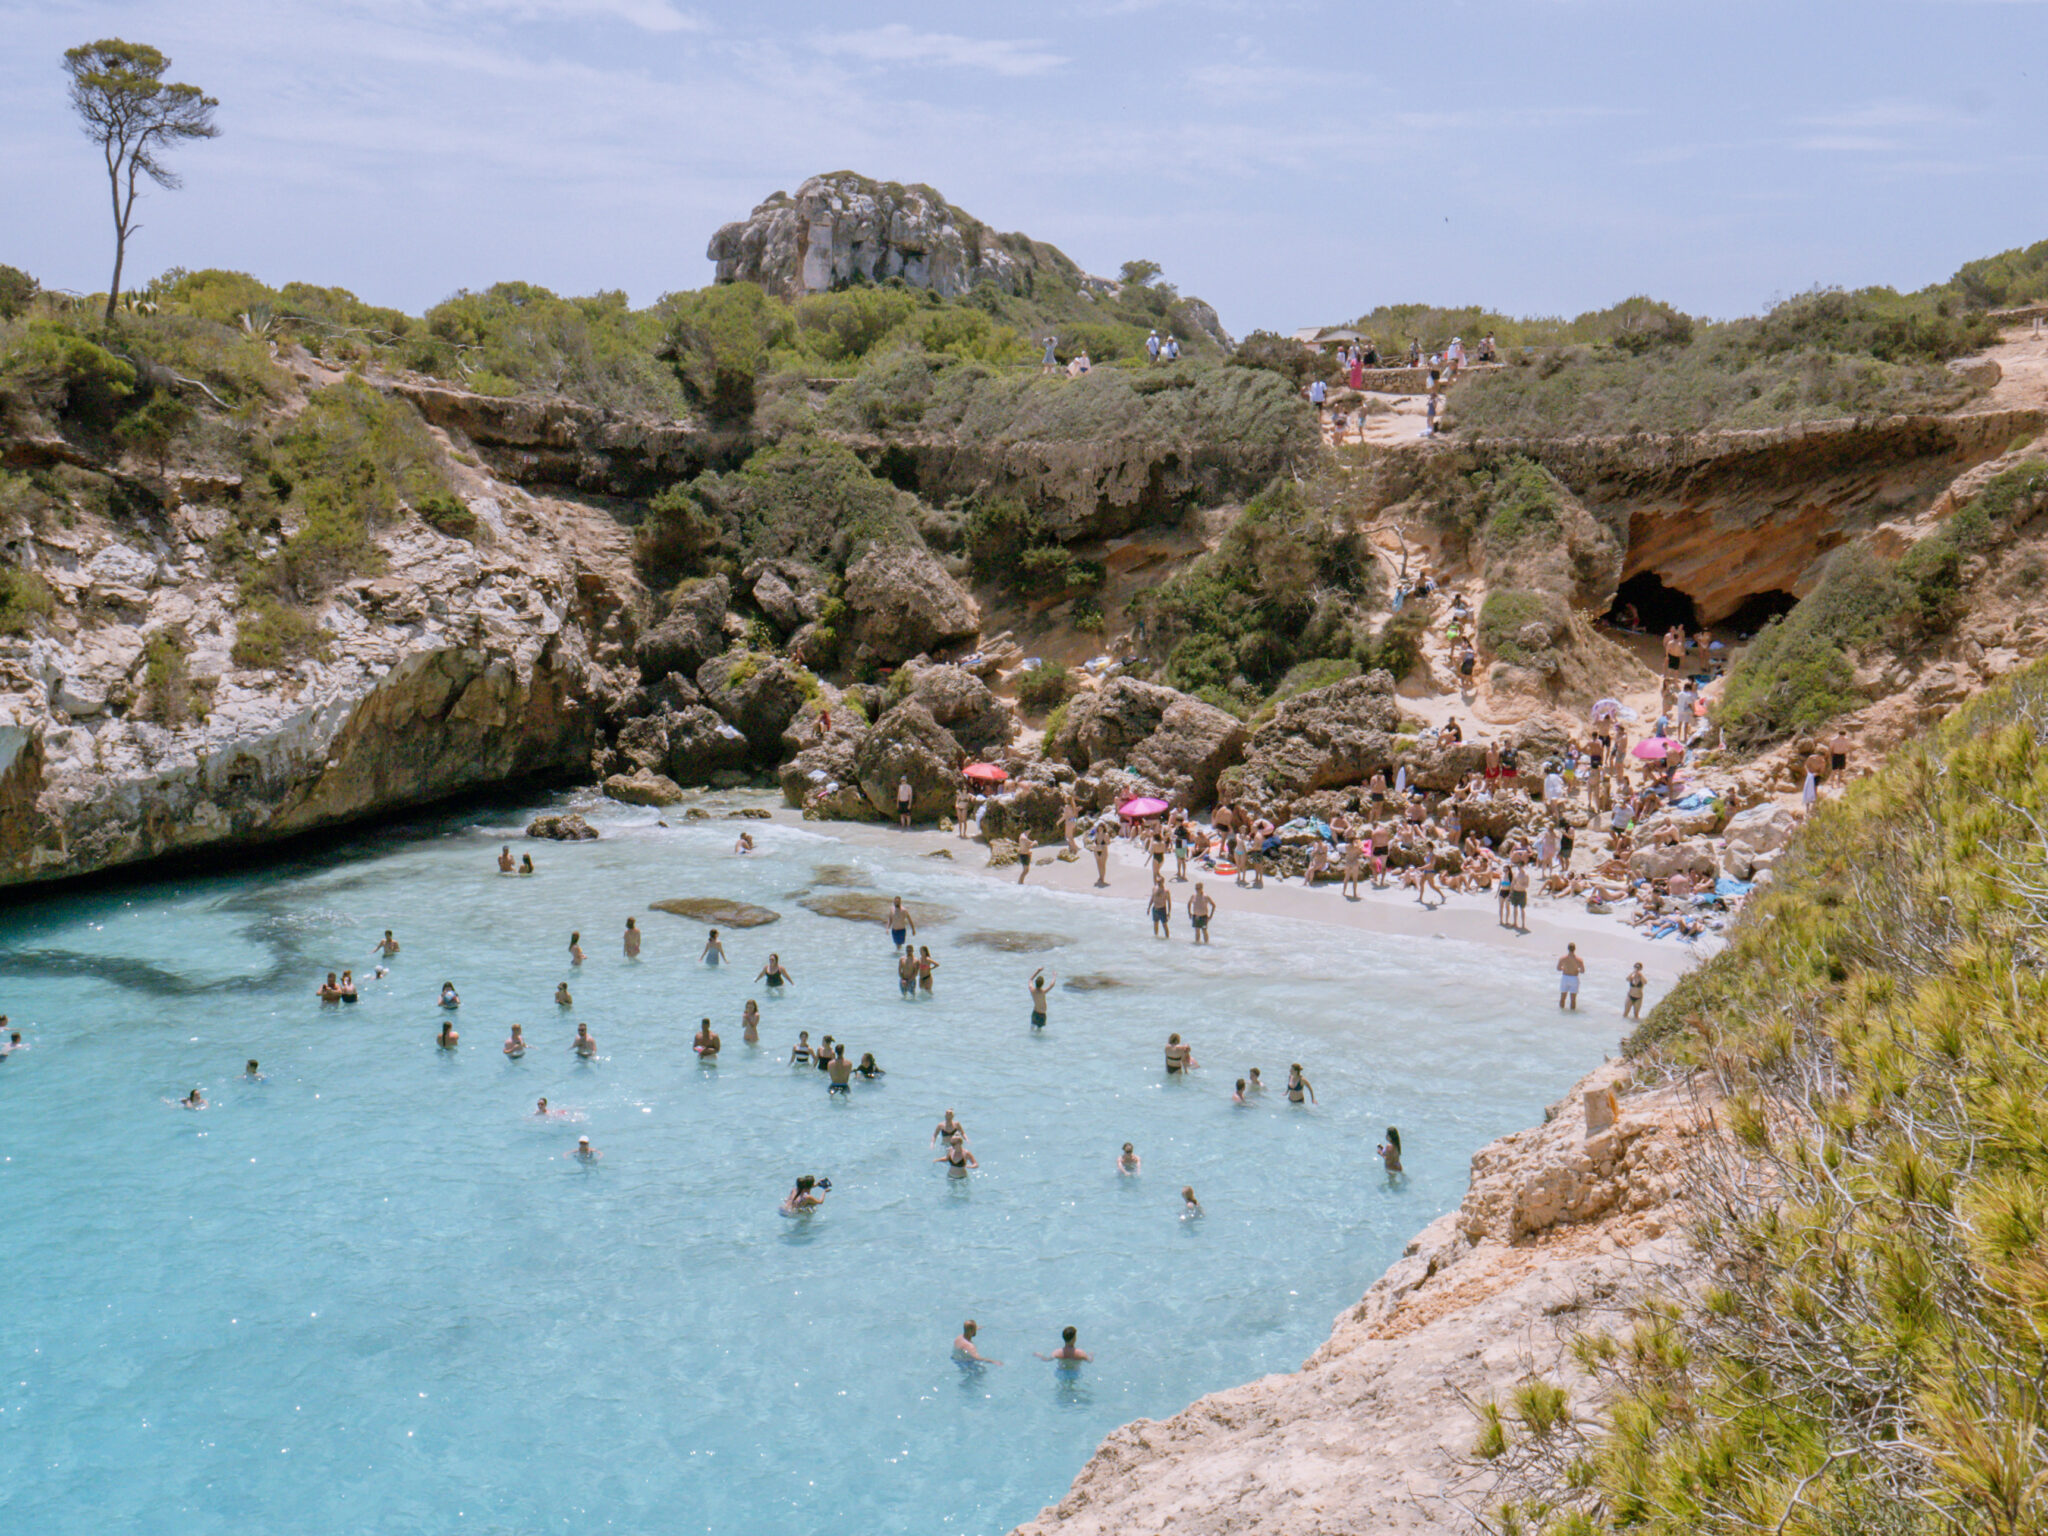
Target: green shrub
(171,697)
(805,499)
(1522,502)
(1501,618)
(447,513)
(270,634)
(518,337)
(24,597)
(678,536)
(17,291)
(998,532)
(718,341)
(153,428)
(1397,648)
(1044,687)
(68,375)
(1201,661)
(1055,721)
(1307,676)
(2007,280)
(1086,616)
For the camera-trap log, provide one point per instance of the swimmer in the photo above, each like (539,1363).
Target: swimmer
(745,844)
(800,1053)
(541,1110)
(348,987)
(925,966)
(963,1347)
(584,1045)
(1179,1058)
(868,1069)
(562,997)
(947,1129)
(714,952)
(1297,1085)
(329,991)
(381,972)
(821,1058)
(448,1038)
(706,1043)
(1041,990)
(1257,1083)
(1069,1353)
(515,1043)
(841,1072)
(804,1197)
(750,1023)
(387,946)
(956,1157)
(906,973)
(251,1073)
(585,1152)
(449,999)
(1390,1150)
(1128,1161)
(1190,1207)
(193,1100)
(526,863)
(632,939)
(901,924)
(1238,1097)
(505,864)
(575,949)
(775,975)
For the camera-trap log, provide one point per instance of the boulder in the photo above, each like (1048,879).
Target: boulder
(1013,942)
(1660,861)
(1177,743)
(562,829)
(903,602)
(643,787)
(1323,738)
(908,742)
(757,693)
(826,774)
(717,911)
(875,909)
(1761,828)
(777,599)
(1436,766)
(1024,804)
(690,634)
(701,746)
(963,704)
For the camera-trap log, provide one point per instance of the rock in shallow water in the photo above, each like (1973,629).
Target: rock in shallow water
(1090,981)
(1015,943)
(717,911)
(563,829)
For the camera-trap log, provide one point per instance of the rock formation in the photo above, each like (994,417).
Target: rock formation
(1322,739)
(844,228)
(1177,743)
(903,602)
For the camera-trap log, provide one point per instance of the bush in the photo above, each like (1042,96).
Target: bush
(677,536)
(24,597)
(806,499)
(153,427)
(718,341)
(17,291)
(68,375)
(1086,616)
(1285,356)
(1522,501)
(445,512)
(270,634)
(1201,661)
(1044,687)
(171,698)
(520,337)
(1307,676)
(1055,721)
(1501,618)
(1397,648)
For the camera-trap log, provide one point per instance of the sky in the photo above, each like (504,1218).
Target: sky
(1295,162)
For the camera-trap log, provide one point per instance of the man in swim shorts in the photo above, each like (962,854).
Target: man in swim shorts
(1569,970)
(902,926)
(1201,907)
(904,796)
(1162,908)
(841,1072)
(1041,987)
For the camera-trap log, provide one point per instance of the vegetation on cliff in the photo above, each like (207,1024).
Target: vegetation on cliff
(1868,1353)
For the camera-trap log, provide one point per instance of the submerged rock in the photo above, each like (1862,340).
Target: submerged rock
(563,829)
(1015,943)
(840,874)
(1090,981)
(875,909)
(717,911)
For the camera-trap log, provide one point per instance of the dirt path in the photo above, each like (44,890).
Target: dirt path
(2022,358)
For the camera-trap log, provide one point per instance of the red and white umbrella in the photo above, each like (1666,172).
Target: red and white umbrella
(983,773)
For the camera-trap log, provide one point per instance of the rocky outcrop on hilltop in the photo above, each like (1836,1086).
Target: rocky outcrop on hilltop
(1561,1229)
(129,730)
(844,228)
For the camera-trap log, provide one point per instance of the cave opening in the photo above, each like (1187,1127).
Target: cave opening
(1757,610)
(1655,606)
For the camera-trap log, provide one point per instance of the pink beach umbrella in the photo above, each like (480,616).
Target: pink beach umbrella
(1141,807)
(1656,747)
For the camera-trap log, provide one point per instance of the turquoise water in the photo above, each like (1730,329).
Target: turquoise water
(373,1292)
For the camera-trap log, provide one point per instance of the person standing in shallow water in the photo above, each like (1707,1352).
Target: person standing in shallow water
(1569,969)
(1637,982)
(575,949)
(1390,1150)
(1201,907)
(963,1347)
(1069,1353)
(632,939)
(1041,991)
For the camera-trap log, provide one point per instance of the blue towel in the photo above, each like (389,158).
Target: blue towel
(1698,800)
(1726,887)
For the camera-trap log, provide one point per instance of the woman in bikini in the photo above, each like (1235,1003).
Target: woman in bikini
(956,1157)
(1297,1085)
(925,966)
(750,1023)
(774,975)
(348,987)
(515,1044)
(1179,1058)
(800,1053)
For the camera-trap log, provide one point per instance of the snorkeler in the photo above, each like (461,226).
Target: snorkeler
(583,1044)
(449,997)
(706,1043)
(714,952)
(1069,1353)
(963,1347)
(515,1043)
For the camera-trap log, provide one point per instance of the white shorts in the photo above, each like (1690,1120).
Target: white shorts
(1567,986)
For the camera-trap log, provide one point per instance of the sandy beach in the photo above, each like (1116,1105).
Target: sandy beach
(1608,946)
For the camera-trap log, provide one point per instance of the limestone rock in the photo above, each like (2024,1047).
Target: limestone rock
(1659,862)
(701,746)
(562,829)
(1323,738)
(758,694)
(903,602)
(690,635)
(1027,804)
(790,593)
(964,705)
(908,743)
(824,779)
(643,787)
(1761,828)
(875,909)
(1178,743)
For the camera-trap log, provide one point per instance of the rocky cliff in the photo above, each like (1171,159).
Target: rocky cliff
(845,228)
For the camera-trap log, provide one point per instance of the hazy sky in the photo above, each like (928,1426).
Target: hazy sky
(1293,162)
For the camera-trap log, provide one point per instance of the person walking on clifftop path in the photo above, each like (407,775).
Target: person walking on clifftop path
(1049,363)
